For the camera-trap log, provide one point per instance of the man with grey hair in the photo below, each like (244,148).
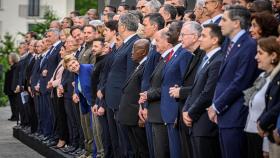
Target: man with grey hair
(152,6)
(121,69)
(189,36)
(83,21)
(48,65)
(199,12)
(55,25)
(92,14)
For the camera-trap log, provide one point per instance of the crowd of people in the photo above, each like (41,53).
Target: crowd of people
(154,80)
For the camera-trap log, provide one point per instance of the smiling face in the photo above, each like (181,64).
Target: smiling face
(264,59)
(78,36)
(73,66)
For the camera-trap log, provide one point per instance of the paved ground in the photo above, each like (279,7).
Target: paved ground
(9,146)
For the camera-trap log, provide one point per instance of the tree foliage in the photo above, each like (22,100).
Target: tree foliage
(84,5)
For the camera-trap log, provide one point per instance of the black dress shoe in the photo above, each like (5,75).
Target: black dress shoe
(51,143)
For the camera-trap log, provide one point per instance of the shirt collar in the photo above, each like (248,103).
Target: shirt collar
(215,18)
(237,36)
(153,42)
(112,45)
(175,48)
(56,43)
(143,60)
(129,37)
(166,53)
(212,52)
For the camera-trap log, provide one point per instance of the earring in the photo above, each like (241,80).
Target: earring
(272,61)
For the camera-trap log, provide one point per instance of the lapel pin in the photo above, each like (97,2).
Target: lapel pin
(238,45)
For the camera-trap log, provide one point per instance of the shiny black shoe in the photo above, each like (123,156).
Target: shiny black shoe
(51,143)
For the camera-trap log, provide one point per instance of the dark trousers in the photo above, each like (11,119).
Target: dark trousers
(254,142)
(160,141)
(77,112)
(72,121)
(205,147)
(233,142)
(46,115)
(149,134)
(13,104)
(113,132)
(33,116)
(61,124)
(105,136)
(185,140)
(138,141)
(23,111)
(38,110)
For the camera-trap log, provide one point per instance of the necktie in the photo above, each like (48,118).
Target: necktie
(205,58)
(170,55)
(229,49)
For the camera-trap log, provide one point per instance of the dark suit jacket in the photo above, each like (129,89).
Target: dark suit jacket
(66,81)
(173,74)
(29,72)
(154,93)
(9,75)
(120,70)
(49,63)
(85,81)
(35,73)
(237,73)
(201,97)
(152,61)
(268,119)
(23,63)
(128,109)
(96,75)
(189,76)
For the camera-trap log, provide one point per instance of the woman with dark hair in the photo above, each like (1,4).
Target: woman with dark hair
(13,59)
(262,108)
(263,24)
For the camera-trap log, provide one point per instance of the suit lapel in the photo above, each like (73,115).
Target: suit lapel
(205,67)
(233,51)
(133,74)
(195,60)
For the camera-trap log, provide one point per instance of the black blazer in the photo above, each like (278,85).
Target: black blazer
(96,75)
(128,109)
(9,75)
(190,75)
(154,94)
(268,118)
(201,97)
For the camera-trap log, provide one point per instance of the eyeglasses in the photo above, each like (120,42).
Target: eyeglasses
(207,2)
(185,34)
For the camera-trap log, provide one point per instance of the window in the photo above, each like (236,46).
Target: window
(33,7)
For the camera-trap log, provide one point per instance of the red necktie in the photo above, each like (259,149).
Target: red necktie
(170,55)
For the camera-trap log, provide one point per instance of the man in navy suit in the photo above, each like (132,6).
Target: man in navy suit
(173,74)
(120,70)
(204,133)
(237,73)
(152,23)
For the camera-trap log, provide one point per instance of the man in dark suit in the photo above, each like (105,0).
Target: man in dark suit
(111,28)
(190,34)
(121,68)
(204,133)
(173,74)
(237,73)
(48,65)
(152,23)
(128,109)
(153,95)
(213,9)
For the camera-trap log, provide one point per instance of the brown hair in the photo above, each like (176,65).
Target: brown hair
(67,60)
(267,22)
(270,45)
